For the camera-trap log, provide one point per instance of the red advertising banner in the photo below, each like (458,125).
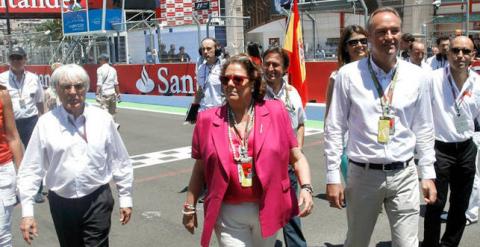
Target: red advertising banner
(46,6)
(179,79)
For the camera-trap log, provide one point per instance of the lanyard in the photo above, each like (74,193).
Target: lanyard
(244,140)
(385,100)
(455,103)
(20,85)
(207,76)
(288,103)
(84,134)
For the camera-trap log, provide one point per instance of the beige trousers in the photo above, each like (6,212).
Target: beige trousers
(109,102)
(398,191)
(238,226)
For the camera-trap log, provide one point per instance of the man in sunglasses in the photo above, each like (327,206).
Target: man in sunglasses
(383,105)
(455,105)
(27,98)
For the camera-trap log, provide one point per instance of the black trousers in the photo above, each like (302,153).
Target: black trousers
(83,221)
(455,166)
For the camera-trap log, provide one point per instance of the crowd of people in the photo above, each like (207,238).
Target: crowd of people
(399,128)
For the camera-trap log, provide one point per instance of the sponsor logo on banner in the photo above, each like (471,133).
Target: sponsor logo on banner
(145,84)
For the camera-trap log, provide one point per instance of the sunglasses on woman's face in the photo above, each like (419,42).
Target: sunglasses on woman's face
(237,79)
(354,42)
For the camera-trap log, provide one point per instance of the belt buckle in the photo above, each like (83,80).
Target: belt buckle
(383,168)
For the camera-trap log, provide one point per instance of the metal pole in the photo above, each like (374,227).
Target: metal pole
(9,30)
(314,32)
(365,17)
(467,25)
(208,25)
(199,31)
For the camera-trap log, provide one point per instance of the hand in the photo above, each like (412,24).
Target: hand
(28,226)
(125,215)
(190,222)
(306,200)
(98,98)
(429,191)
(335,195)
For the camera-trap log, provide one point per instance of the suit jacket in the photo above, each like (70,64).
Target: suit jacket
(273,140)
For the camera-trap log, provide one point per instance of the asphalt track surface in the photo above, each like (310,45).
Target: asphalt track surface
(159,192)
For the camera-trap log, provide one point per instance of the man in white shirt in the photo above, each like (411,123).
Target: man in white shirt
(78,150)
(108,91)
(275,65)
(384,104)
(439,60)
(417,55)
(455,105)
(27,96)
(209,89)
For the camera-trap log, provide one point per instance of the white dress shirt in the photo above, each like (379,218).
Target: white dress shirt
(467,98)
(293,104)
(107,79)
(75,160)
(208,78)
(26,93)
(356,107)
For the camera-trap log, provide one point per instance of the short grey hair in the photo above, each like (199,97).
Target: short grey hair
(70,73)
(382,10)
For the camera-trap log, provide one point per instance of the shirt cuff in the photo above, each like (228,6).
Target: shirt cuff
(333,177)
(427,172)
(126,202)
(27,210)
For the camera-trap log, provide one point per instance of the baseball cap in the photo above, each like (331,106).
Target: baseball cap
(17,51)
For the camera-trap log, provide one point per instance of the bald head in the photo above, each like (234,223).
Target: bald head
(461,53)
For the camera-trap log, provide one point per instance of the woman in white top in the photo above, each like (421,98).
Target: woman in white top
(351,47)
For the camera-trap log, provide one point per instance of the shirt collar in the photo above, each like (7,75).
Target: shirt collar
(379,72)
(15,76)
(66,116)
(280,92)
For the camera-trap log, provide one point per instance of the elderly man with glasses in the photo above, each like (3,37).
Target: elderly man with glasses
(78,149)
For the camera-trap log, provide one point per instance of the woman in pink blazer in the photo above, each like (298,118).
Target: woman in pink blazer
(242,151)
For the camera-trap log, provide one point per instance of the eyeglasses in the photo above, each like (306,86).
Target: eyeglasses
(456,50)
(68,87)
(237,79)
(354,42)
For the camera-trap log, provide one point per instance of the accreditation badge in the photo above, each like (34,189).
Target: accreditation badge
(461,123)
(245,172)
(22,104)
(383,129)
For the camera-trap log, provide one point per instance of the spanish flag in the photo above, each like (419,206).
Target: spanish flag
(294,46)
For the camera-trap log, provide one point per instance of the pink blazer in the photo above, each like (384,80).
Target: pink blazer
(273,140)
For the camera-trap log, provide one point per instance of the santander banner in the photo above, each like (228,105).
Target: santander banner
(179,79)
(43,6)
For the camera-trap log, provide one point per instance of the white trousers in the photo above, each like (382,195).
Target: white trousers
(472,211)
(398,191)
(7,201)
(238,226)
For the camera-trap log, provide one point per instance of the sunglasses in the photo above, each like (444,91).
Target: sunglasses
(68,87)
(237,79)
(465,51)
(16,57)
(354,42)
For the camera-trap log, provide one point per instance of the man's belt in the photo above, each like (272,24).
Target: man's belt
(384,167)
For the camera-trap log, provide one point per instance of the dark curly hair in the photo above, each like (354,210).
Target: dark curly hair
(254,74)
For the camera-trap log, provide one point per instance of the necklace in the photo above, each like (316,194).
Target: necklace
(242,156)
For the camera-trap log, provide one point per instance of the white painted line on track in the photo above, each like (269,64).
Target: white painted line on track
(182,153)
